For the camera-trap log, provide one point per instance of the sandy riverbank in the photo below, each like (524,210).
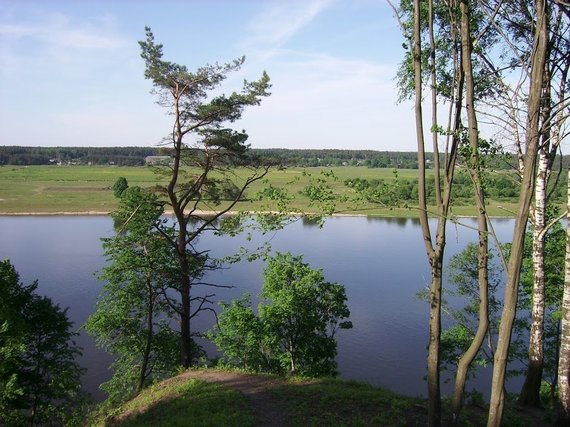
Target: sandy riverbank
(169,213)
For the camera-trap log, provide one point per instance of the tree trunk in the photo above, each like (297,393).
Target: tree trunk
(483,252)
(185,288)
(433,375)
(185,280)
(434,250)
(149,336)
(538,60)
(435,258)
(530,392)
(564,359)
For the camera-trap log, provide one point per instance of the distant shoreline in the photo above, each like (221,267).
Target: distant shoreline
(168,213)
(88,213)
(206,213)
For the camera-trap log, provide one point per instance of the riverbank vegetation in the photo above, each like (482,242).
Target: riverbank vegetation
(88,189)
(40,378)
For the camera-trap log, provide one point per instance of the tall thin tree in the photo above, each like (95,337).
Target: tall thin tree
(474,168)
(538,61)
(564,360)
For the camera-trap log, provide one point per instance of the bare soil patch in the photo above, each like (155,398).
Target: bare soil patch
(75,189)
(255,388)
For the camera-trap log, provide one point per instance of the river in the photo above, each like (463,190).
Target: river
(381,262)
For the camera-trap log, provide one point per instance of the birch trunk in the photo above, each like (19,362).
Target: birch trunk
(564,359)
(530,392)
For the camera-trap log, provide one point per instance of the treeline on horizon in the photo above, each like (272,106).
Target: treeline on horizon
(135,156)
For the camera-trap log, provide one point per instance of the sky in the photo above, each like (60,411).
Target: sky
(71,72)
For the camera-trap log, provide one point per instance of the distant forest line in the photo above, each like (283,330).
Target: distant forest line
(135,156)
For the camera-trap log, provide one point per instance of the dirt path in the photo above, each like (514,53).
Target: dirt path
(266,408)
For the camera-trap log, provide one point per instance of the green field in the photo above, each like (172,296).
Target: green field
(87,189)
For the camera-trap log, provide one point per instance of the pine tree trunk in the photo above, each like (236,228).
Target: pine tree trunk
(184,276)
(185,287)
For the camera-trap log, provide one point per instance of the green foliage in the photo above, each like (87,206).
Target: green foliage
(241,336)
(388,193)
(498,185)
(117,156)
(120,186)
(39,378)
(447,42)
(294,330)
(321,194)
(132,319)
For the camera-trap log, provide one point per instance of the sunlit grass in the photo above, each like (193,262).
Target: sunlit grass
(185,402)
(85,189)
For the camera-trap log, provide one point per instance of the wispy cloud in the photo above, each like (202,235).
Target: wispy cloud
(58,44)
(278,23)
(59,30)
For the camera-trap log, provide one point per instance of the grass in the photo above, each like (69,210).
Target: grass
(348,403)
(87,189)
(175,402)
(303,402)
(77,189)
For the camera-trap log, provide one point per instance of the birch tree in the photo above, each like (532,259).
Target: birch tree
(564,360)
(553,117)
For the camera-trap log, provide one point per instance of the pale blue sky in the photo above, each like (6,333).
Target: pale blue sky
(70,71)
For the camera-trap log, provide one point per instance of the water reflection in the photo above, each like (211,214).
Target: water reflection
(402,222)
(381,261)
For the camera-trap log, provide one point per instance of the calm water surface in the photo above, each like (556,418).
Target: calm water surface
(381,262)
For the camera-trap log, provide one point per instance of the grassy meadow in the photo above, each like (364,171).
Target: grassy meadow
(88,189)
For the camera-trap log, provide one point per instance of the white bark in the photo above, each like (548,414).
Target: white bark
(537,327)
(530,392)
(564,361)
